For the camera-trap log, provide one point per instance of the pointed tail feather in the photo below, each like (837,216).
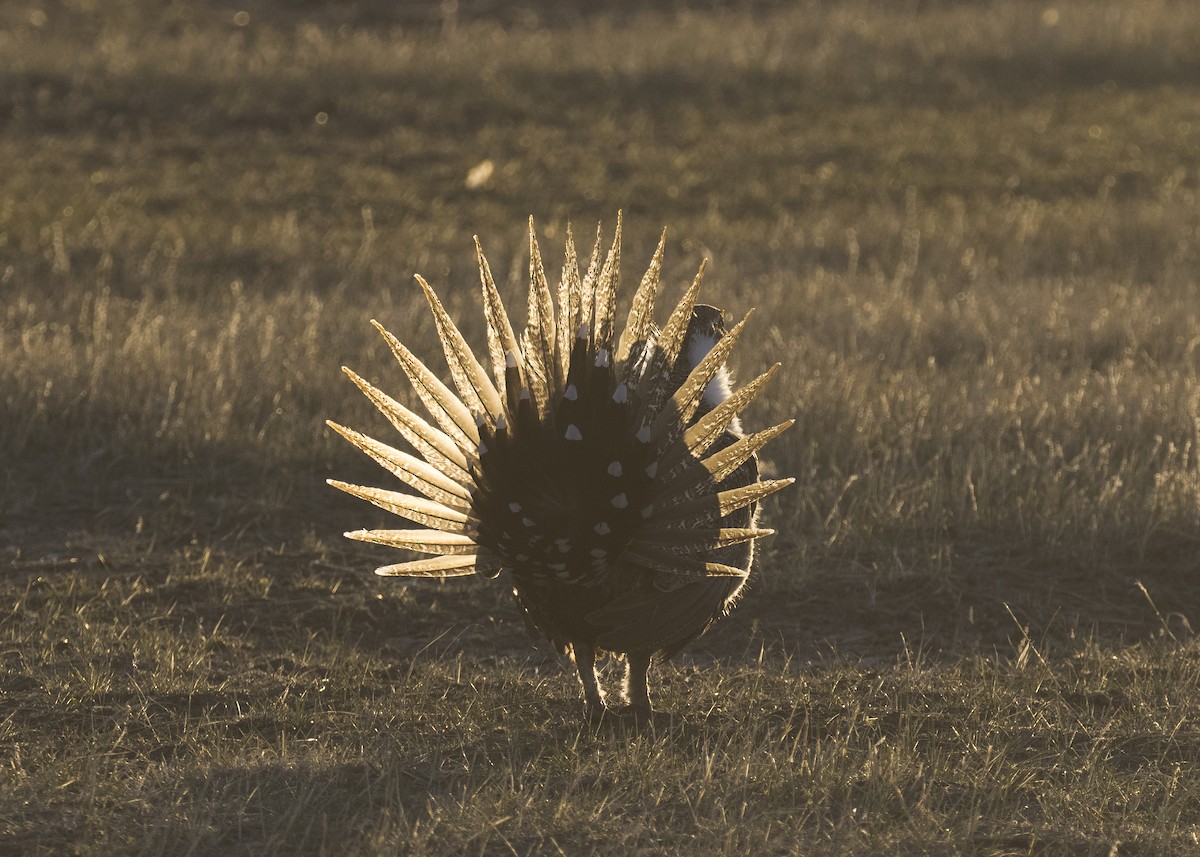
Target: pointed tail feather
(587,289)
(721,465)
(684,566)
(678,459)
(654,384)
(436,446)
(446,409)
(417,509)
(438,566)
(606,293)
(569,294)
(503,346)
(686,479)
(670,341)
(640,322)
(411,470)
(672,420)
(421,541)
(474,385)
(694,541)
(541,329)
(711,508)
(708,428)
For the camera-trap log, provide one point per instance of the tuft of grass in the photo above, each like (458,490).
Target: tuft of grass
(971,233)
(247,711)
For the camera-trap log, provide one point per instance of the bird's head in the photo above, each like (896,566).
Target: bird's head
(705,329)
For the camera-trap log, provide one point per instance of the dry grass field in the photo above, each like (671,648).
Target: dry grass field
(972,230)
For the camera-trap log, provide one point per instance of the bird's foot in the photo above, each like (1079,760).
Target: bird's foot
(633,713)
(596,712)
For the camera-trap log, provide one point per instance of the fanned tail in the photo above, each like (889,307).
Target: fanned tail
(580,448)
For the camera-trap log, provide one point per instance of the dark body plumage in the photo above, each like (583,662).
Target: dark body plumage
(608,475)
(622,610)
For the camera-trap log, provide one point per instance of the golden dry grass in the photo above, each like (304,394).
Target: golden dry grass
(972,232)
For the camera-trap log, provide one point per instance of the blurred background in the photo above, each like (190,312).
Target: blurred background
(971,229)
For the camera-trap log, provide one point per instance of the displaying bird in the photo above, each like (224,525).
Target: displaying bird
(604,470)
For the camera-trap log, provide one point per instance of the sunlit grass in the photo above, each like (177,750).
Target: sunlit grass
(206,726)
(971,233)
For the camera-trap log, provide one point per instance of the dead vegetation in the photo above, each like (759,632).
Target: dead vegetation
(971,231)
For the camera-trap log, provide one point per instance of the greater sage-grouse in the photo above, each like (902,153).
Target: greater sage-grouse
(604,469)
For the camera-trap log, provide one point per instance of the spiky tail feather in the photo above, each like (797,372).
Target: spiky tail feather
(578,452)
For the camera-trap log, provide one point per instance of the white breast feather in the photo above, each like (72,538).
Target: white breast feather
(721,386)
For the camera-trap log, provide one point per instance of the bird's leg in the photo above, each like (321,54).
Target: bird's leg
(585,664)
(637,682)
